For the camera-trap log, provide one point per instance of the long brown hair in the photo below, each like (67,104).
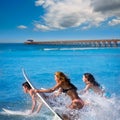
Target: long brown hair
(91,79)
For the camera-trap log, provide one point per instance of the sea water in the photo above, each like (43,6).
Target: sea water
(41,62)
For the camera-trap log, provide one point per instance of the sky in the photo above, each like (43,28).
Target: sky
(49,20)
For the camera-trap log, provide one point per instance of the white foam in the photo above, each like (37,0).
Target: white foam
(12,112)
(72,48)
(99,108)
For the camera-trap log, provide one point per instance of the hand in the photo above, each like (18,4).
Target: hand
(35,90)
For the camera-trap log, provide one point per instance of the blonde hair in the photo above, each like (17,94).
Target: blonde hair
(61,76)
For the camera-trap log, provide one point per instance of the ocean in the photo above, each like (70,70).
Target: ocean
(42,61)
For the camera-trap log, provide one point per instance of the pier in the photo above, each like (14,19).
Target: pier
(80,43)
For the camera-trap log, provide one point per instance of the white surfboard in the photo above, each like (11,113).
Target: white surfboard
(12,112)
(40,95)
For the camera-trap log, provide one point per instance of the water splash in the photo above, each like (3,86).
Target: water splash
(19,113)
(99,108)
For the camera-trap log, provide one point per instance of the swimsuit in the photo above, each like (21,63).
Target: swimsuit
(66,90)
(78,103)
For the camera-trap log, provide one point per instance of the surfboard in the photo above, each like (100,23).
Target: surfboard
(42,98)
(12,112)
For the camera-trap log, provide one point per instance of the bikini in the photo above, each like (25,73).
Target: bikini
(66,90)
(76,101)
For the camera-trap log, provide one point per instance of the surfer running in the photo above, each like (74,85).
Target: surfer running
(27,89)
(64,85)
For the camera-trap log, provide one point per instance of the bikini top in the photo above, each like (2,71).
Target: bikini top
(66,90)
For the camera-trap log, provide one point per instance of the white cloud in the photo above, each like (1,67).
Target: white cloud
(114,22)
(39,2)
(42,27)
(63,14)
(22,27)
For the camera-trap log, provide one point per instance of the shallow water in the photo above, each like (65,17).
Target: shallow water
(40,62)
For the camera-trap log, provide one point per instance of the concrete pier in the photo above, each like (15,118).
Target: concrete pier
(80,43)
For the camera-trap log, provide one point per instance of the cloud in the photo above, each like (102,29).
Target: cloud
(39,2)
(42,27)
(114,22)
(22,27)
(106,6)
(84,14)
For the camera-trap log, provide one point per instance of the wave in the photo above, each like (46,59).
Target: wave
(54,49)
(48,49)
(12,112)
(99,108)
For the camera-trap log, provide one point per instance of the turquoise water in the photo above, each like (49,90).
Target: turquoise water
(40,62)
